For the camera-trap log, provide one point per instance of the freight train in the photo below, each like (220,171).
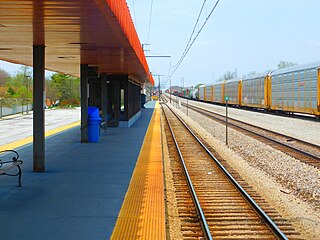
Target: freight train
(293,90)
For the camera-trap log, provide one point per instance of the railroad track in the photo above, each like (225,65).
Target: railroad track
(304,151)
(211,203)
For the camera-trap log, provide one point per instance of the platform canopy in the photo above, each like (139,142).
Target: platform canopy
(99,33)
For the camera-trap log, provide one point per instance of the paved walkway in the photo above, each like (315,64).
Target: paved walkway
(80,195)
(19,126)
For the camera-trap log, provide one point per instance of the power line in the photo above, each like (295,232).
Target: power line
(134,13)
(188,47)
(150,21)
(194,28)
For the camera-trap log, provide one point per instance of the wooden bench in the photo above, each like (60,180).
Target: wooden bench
(7,165)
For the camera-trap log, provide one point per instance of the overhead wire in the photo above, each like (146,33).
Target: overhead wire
(150,18)
(194,28)
(189,47)
(134,13)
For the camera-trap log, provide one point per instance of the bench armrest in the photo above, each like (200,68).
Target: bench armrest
(14,158)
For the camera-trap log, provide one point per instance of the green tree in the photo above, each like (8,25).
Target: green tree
(61,82)
(63,87)
(21,78)
(11,92)
(51,90)
(4,76)
(22,92)
(285,64)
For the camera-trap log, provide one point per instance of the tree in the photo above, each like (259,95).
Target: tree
(4,76)
(228,75)
(63,87)
(21,78)
(251,74)
(285,64)
(62,84)
(11,92)
(22,92)
(51,90)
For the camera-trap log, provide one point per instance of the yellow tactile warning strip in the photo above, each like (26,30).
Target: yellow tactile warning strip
(19,143)
(142,215)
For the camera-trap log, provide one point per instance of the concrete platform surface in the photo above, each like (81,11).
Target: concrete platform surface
(80,195)
(18,126)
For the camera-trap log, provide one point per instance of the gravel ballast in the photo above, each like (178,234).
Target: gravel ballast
(306,130)
(290,186)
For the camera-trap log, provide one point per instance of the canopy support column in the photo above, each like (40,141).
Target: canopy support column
(38,108)
(84,102)
(104,96)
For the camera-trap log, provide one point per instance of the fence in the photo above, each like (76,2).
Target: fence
(9,106)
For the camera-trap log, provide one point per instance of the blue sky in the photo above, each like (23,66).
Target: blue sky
(245,35)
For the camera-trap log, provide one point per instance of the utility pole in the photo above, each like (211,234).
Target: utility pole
(158,75)
(0,108)
(27,93)
(226,99)
(170,90)
(159,86)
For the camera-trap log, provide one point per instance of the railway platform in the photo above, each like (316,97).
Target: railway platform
(88,189)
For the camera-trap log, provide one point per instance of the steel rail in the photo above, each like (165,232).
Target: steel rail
(248,198)
(204,223)
(209,114)
(260,128)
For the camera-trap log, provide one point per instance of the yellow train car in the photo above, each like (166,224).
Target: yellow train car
(255,91)
(232,90)
(202,93)
(218,93)
(208,93)
(296,89)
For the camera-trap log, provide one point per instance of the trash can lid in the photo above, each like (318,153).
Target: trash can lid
(93,112)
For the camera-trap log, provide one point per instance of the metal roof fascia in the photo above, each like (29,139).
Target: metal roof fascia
(122,13)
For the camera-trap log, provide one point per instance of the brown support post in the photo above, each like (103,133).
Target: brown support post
(38,109)
(84,102)
(104,95)
(116,102)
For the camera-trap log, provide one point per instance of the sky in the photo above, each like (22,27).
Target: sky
(242,36)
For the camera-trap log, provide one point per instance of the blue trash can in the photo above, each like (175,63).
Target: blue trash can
(94,122)
(93,112)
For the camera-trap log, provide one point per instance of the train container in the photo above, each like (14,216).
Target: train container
(175,93)
(194,94)
(201,93)
(255,91)
(209,94)
(296,89)
(186,92)
(232,90)
(218,93)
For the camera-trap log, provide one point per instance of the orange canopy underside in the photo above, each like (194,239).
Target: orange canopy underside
(95,32)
